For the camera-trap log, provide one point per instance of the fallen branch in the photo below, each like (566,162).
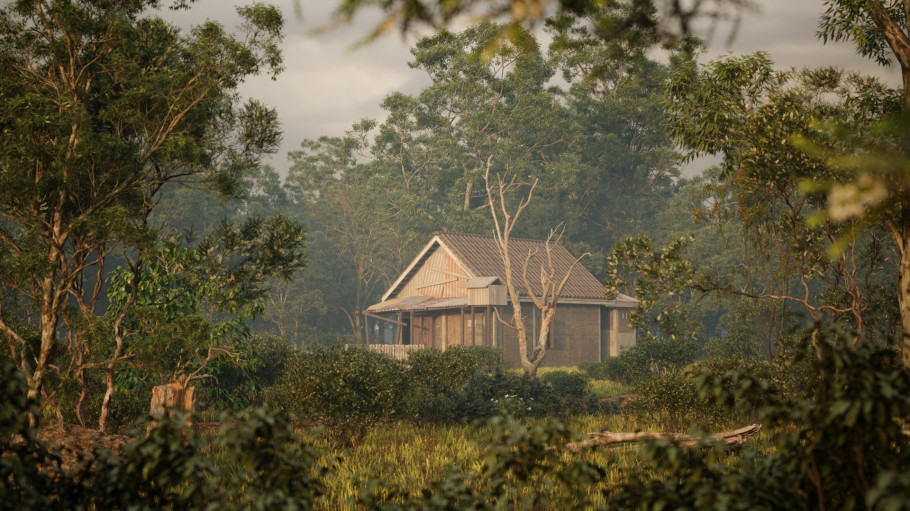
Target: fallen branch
(735,437)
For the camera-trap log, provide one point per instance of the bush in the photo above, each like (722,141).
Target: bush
(240,384)
(671,402)
(568,394)
(556,394)
(436,378)
(346,390)
(268,467)
(838,445)
(650,356)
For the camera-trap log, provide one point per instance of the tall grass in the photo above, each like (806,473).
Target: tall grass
(402,457)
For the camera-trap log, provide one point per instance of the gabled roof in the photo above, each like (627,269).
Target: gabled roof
(481,282)
(478,256)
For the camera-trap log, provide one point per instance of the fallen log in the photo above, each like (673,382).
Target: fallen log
(735,437)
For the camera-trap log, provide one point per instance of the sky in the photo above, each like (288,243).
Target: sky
(327,85)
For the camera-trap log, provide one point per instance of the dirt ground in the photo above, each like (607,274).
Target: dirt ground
(74,440)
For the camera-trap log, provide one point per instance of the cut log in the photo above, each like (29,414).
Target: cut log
(169,398)
(735,437)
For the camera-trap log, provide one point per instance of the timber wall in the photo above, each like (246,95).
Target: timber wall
(440,277)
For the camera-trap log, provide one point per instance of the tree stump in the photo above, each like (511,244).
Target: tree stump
(170,398)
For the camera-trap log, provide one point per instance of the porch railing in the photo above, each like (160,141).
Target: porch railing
(396,351)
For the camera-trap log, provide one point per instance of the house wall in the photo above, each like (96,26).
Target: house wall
(622,334)
(576,334)
(441,329)
(439,277)
(575,337)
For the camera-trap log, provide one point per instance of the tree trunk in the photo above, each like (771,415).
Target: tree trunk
(903,283)
(169,398)
(735,437)
(903,279)
(467,195)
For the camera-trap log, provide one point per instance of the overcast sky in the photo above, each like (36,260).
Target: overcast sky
(326,86)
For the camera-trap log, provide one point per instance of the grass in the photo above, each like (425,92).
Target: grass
(406,458)
(602,389)
(399,459)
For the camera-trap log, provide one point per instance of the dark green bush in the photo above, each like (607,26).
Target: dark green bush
(239,384)
(267,466)
(671,402)
(438,371)
(346,390)
(838,445)
(648,357)
(437,379)
(556,394)
(568,393)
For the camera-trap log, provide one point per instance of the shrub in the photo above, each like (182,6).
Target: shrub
(436,379)
(555,394)
(671,402)
(346,390)
(568,393)
(838,445)
(268,467)
(650,356)
(239,384)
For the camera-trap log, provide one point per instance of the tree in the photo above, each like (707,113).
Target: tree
(551,284)
(881,30)
(749,112)
(359,233)
(102,107)
(622,164)
(676,18)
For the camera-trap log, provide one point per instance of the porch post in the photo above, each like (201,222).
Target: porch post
(462,326)
(487,340)
(473,326)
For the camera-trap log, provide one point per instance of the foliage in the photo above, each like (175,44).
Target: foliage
(104,108)
(839,446)
(436,377)
(664,18)
(744,108)
(648,357)
(671,402)
(262,359)
(346,390)
(507,393)
(635,266)
(168,468)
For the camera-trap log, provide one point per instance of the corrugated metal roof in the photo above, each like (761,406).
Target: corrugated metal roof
(481,255)
(398,303)
(417,303)
(481,282)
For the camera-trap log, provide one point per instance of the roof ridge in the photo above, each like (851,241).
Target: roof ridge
(489,236)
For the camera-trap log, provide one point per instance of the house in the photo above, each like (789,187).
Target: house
(451,292)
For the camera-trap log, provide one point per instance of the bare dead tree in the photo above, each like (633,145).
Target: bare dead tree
(546,297)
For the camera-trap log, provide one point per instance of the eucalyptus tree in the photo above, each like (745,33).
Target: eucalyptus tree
(880,190)
(103,105)
(752,114)
(349,206)
(490,104)
(671,19)
(623,163)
